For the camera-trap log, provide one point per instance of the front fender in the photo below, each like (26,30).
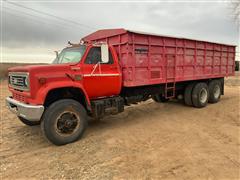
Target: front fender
(43,91)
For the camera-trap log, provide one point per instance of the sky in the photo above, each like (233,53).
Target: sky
(33,30)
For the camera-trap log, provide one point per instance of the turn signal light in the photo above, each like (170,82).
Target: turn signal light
(42,80)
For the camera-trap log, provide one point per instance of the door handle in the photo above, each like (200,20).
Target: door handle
(75,68)
(113,67)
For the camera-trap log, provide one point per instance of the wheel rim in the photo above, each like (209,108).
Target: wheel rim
(67,123)
(216,92)
(203,95)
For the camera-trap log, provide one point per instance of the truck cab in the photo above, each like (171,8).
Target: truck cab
(79,78)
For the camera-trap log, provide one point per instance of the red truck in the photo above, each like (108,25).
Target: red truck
(113,68)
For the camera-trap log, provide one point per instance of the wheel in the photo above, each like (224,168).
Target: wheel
(27,122)
(200,95)
(159,98)
(64,121)
(188,94)
(214,91)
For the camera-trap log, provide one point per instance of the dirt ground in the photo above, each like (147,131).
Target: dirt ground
(146,141)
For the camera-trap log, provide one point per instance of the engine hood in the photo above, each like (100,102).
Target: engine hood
(41,68)
(51,73)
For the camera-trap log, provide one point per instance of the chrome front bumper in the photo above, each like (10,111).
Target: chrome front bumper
(29,112)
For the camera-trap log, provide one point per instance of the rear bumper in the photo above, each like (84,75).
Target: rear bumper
(29,112)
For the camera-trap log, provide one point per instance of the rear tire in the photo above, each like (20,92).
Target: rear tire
(188,94)
(27,122)
(64,121)
(159,98)
(214,91)
(200,95)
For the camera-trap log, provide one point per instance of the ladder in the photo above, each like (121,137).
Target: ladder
(170,85)
(170,89)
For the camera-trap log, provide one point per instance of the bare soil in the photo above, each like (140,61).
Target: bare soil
(4,67)
(146,141)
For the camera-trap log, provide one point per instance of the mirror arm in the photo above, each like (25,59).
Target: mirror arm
(95,67)
(100,71)
(56,52)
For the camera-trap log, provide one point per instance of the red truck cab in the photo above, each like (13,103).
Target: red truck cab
(78,72)
(112,68)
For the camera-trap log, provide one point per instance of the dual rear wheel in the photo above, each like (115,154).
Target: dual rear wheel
(199,94)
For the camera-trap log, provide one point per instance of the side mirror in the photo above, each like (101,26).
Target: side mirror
(104,53)
(56,52)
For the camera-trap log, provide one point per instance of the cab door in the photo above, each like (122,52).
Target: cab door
(101,79)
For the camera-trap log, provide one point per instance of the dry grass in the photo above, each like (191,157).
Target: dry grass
(4,67)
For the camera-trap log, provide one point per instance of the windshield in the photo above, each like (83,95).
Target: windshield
(70,55)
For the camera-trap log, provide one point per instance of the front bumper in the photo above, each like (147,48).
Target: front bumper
(29,112)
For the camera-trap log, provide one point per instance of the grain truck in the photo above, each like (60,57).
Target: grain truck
(113,68)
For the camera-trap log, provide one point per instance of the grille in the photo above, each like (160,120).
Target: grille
(19,97)
(19,81)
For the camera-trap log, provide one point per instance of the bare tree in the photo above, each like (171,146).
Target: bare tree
(236,10)
(235,5)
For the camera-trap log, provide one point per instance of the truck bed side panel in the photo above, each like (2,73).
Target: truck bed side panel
(150,59)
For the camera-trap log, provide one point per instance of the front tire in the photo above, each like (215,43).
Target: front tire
(27,122)
(64,121)
(200,95)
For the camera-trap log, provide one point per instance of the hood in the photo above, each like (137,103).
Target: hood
(41,68)
(50,72)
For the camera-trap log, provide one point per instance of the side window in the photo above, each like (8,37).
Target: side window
(94,56)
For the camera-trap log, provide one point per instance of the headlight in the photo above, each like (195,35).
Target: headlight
(27,81)
(19,80)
